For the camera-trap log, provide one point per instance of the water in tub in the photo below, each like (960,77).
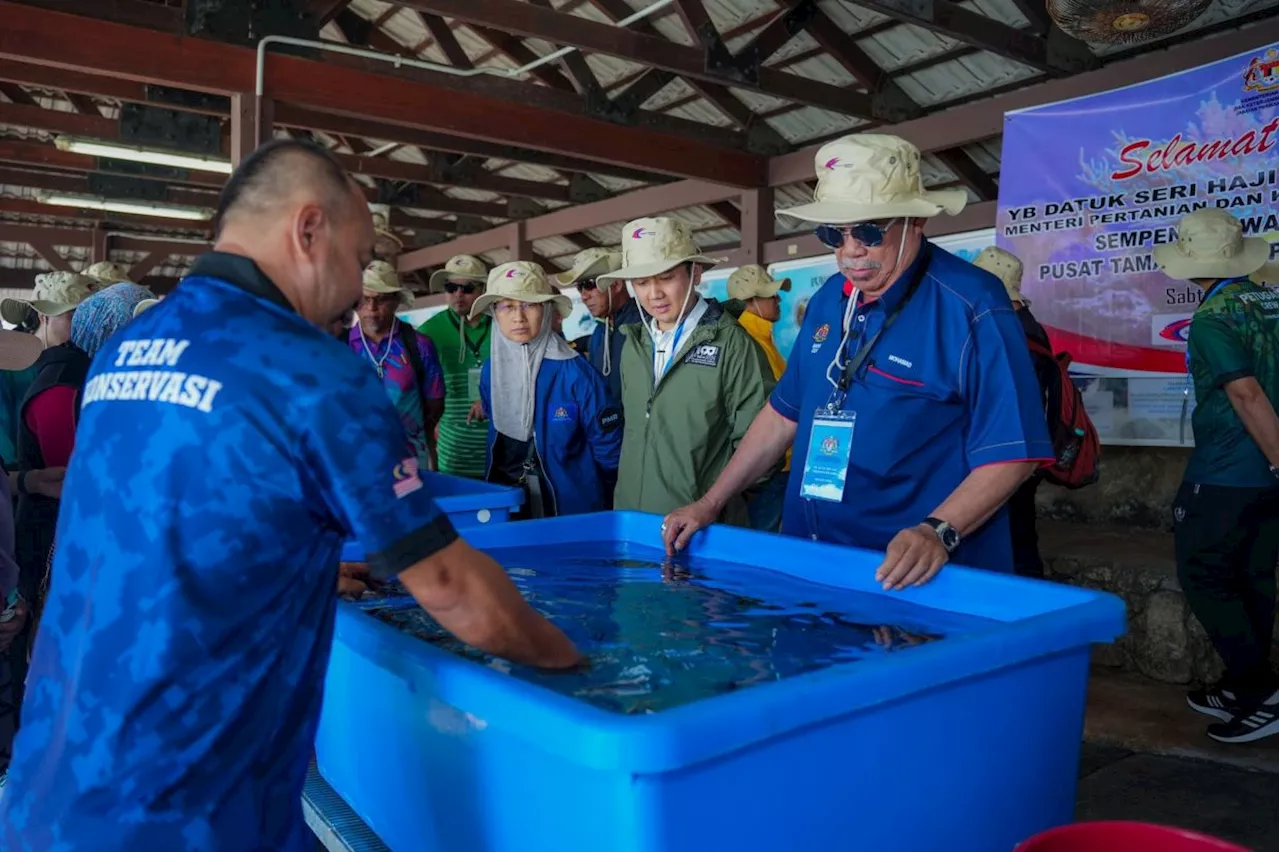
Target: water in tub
(661,634)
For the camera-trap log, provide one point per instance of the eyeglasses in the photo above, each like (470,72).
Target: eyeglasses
(451,288)
(586,285)
(512,308)
(869,234)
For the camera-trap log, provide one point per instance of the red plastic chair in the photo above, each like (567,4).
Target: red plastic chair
(1124,837)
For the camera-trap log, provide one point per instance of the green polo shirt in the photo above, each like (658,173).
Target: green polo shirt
(463,349)
(1233,335)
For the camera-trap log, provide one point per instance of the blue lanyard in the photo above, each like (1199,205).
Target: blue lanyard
(1213,291)
(675,345)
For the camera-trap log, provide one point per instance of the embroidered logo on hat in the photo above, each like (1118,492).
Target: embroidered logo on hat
(511,273)
(641,233)
(832,163)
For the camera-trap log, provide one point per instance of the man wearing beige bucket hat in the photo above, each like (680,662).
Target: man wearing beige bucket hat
(609,302)
(404,359)
(1022,505)
(1225,528)
(762,307)
(553,429)
(921,354)
(55,298)
(692,378)
(462,341)
(386,246)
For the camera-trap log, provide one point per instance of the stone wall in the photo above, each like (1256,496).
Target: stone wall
(1136,489)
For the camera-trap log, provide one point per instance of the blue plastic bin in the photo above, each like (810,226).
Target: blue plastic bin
(971,743)
(468,503)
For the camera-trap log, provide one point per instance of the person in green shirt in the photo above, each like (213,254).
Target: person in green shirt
(1225,512)
(463,346)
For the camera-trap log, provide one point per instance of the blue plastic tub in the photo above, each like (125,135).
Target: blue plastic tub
(970,743)
(468,503)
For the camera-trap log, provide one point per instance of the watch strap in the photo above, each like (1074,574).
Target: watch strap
(948,535)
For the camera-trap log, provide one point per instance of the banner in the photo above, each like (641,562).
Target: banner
(1089,187)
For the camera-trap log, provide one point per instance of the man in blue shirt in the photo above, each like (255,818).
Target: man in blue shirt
(611,305)
(909,396)
(173,697)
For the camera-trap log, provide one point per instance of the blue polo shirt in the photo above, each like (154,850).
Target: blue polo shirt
(226,449)
(948,387)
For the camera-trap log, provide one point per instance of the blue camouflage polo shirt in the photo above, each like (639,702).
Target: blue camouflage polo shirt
(226,449)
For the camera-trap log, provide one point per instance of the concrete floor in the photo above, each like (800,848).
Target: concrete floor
(1146,758)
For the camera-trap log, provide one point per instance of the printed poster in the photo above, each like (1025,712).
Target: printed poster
(1089,187)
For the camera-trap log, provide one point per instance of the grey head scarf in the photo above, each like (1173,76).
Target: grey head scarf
(513,375)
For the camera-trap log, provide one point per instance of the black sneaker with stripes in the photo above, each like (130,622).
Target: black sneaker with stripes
(1221,704)
(1249,725)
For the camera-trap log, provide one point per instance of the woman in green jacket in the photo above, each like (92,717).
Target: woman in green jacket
(692,378)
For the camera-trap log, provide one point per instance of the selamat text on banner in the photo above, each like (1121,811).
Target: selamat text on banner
(1089,186)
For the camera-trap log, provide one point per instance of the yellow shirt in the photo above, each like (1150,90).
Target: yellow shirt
(761,331)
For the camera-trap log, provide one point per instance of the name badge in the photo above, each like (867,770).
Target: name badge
(473,384)
(827,463)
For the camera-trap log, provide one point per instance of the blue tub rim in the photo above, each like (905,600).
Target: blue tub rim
(1047,620)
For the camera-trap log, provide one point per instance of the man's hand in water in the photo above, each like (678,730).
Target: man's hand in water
(476,414)
(680,525)
(351,578)
(473,598)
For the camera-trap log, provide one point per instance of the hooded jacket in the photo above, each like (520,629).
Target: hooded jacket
(607,333)
(678,436)
(577,433)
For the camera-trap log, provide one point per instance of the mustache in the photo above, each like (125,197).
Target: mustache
(860,265)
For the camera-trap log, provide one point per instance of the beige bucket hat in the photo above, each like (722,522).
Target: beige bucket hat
(386,241)
(382,277)
(460,267)
(1211,244)
(108,273)
(145,304)
(55,293)
(524,282)
(753,282)
(653,245)
(871,176)
(1007,268)
(589,263)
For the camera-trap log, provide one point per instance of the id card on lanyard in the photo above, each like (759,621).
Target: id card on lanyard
(826,464)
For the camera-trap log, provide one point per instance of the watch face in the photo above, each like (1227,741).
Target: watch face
(950,538)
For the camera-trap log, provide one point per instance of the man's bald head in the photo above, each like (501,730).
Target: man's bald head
(277,173)
(291,208)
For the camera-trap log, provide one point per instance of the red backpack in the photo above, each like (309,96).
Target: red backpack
(1075,440)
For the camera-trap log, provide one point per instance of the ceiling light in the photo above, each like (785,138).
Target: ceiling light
(139,154)
(140,208)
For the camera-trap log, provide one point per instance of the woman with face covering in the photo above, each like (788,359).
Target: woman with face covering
(552,428)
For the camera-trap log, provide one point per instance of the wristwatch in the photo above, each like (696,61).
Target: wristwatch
(947,534)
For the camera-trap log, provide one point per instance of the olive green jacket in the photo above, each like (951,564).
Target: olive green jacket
(679,436)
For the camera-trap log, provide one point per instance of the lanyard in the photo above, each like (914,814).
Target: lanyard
(472,346)
(852,365)
(675,346)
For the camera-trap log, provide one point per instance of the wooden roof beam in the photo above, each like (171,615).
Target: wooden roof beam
(34,35)
(530,21)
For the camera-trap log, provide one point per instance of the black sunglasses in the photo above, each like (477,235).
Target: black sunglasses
(587,284)
(465,288)
(870,234)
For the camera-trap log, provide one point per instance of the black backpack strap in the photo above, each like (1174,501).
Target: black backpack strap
(408,338)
